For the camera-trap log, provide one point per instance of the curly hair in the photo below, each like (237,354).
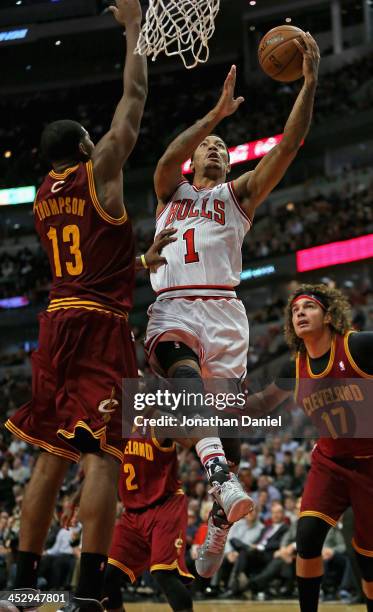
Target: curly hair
(338,308)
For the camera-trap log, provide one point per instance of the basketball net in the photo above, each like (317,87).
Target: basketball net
(178,27)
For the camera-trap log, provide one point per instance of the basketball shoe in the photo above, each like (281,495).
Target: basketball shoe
(229,494)
(85,604)
(211,553)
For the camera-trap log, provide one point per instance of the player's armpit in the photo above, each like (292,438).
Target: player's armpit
(252,188)
(167,177)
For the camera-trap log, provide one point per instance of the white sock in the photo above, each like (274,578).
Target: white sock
(210,452)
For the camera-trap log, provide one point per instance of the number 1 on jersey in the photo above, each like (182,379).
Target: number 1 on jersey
(191,253)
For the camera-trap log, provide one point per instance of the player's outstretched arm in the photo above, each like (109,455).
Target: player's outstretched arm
(168,172)
(253,187)
(265,401)
(114,148)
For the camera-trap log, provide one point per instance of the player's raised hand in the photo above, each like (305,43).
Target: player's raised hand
(311,56)
(153,255)
(228,104)
(127,12)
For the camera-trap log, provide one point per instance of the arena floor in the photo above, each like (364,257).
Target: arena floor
(235,606)
(231,606)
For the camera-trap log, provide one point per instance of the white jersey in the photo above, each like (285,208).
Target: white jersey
(206,259)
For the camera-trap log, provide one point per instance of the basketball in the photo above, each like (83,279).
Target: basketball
(278,55)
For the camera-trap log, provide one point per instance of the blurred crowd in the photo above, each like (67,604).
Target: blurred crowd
(259,560)
(264,114)
(344,213)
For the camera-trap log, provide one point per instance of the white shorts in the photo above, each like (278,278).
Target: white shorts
(217,330)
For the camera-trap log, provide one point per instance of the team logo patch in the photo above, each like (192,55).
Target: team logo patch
(179,544)
(57,186)
(342,366)
(108,406)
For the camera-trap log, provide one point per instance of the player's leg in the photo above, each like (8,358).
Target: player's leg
(180,362)
(129,557)
(325,498)
(176,593)
(168,524)
(366,570)
(97,514)
(311,534)
(38,506)
(361,494)
(211,553)
(113,593)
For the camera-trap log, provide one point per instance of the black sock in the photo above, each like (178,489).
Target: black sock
(309,592)
(369,603)
(177,594)
(92,575)
(27,570)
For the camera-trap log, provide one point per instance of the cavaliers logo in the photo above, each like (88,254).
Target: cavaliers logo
(108,406)
(179,544)
(57,186)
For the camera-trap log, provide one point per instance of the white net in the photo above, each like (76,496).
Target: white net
(179,27)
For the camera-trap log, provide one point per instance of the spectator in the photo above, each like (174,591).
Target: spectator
(337,570)
(264,484)
(254,558)
(58,561)
(245,531)
(6,488)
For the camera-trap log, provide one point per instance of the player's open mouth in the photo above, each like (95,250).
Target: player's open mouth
(302,323)
(214,156)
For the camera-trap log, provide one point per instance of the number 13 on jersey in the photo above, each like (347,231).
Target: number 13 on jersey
(70,235)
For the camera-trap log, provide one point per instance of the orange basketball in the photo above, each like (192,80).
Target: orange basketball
(279,56)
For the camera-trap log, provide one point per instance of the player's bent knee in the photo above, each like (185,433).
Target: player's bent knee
(311,533)
(178,596)
(170,353)
(366,570)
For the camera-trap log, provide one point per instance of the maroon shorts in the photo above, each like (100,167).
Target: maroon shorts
(152,539)
(333,485)
(76,371)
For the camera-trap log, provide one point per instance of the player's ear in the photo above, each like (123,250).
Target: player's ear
(327,318)
(83,150)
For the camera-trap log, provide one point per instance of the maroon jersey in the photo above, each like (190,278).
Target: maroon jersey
(149,473)
(91,254)
(332,400)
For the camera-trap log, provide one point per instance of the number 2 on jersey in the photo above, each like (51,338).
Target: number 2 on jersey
(191,253)
(130,470)
(70,234)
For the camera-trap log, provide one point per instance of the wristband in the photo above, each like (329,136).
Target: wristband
(143,261)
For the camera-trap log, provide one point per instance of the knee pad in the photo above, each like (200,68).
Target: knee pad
(177,594)
(171,352)
(311,534)
(365,566)
(112,587)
